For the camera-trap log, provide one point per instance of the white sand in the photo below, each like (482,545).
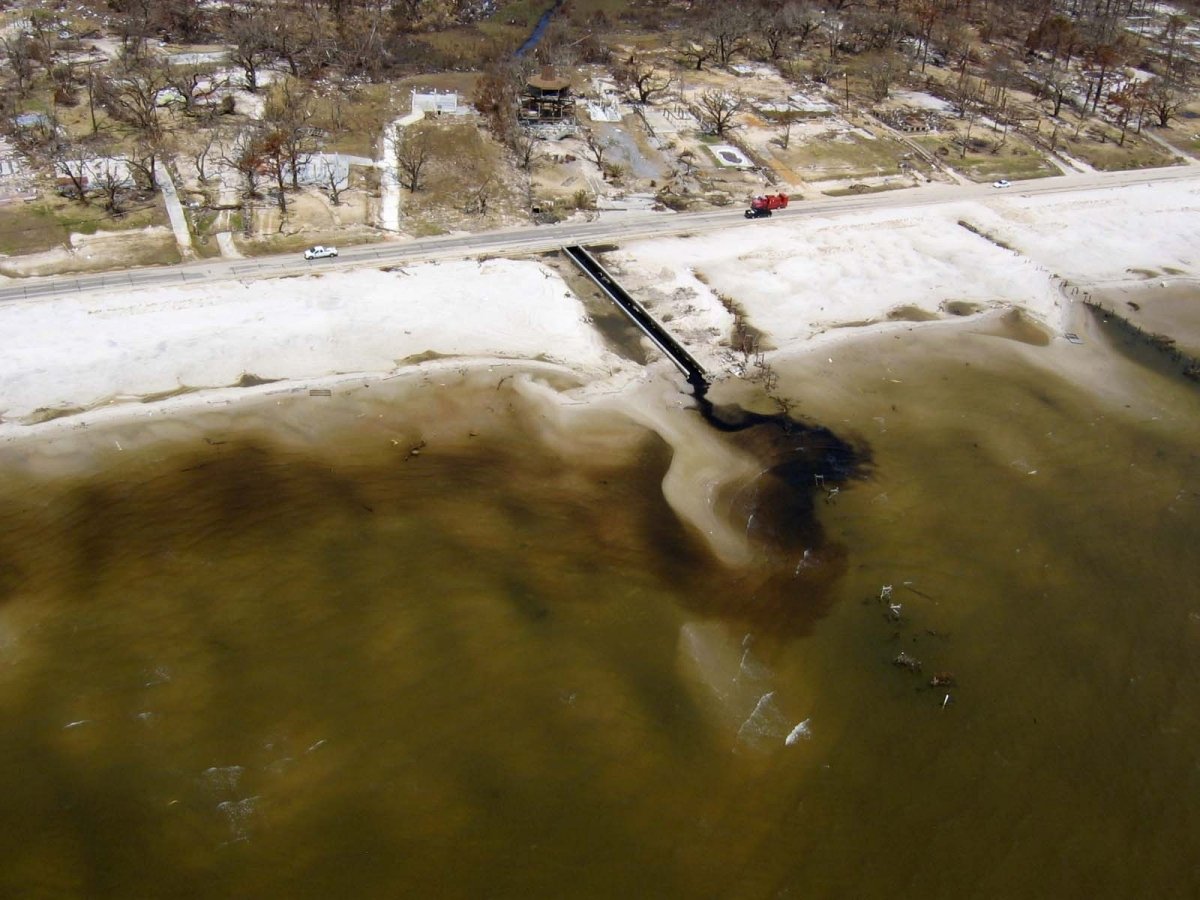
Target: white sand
(795,281)
(80,352)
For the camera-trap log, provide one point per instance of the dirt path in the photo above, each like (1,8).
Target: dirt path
(179,225)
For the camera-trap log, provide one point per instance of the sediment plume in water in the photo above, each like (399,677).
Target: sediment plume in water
(748,483)
(745,484)
(803,464)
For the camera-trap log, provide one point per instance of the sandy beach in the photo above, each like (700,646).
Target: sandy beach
(799,285)
(807,293)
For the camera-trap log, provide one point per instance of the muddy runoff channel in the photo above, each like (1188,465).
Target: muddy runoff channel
(483,631)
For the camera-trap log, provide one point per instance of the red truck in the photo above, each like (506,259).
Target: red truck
(761,207)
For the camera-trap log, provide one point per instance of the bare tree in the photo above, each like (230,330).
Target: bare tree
(716,109)
(359,46)
(785,26)
(1165,97)
(195,85)
(725,28)
(143,158)
(289,112)
(1100,64)
(834,26)
(641,78)
(496,96)
(70,165)
(1054,82)
(271,147)
(90,81)
(414,148)
(297,39)
(131,95)
(244,156)
(1123,103)
(479,194)
(112,185)
(249,31)
(524,147)
(696,53)
(595,147)
(185,20)
(970,111)
(786,120)
(201,153)
(331,178)
(44,27)
(19,53)
(883,71)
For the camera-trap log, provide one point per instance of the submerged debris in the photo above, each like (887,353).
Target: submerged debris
(942,679)
(800,732)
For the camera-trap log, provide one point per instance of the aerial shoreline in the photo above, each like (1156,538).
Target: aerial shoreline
(800,284)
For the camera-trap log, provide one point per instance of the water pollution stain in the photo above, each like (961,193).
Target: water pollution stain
(804,466)
(1156,352)
(494,496)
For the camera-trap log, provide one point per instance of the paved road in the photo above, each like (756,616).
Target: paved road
(531,239)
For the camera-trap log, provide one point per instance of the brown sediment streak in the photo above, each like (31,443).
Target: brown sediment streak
(747,482)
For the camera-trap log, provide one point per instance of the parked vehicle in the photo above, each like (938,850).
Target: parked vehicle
(761,207)
(319,252)
(1002,183)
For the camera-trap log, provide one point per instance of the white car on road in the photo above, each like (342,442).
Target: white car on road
(319,252)
(1002,183)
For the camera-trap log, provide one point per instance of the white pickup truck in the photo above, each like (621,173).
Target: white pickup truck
(319,252)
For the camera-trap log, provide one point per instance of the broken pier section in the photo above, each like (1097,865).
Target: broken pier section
(643,320)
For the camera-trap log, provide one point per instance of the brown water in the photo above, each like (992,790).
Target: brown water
(274,653)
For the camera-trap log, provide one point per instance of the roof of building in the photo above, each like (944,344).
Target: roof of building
(548,80)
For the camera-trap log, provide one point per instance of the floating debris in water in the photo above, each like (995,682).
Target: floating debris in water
(905,661)
(238,812)
(223,778)
(764,725)
(800,732)
(942,679)
(160,675)
(77,724)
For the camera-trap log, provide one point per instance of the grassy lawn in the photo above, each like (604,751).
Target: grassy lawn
(47,223)
(1098,146)
(846,156)
(155,249)
(297,243)
(1183,135)
(354,121)
(1015,160)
